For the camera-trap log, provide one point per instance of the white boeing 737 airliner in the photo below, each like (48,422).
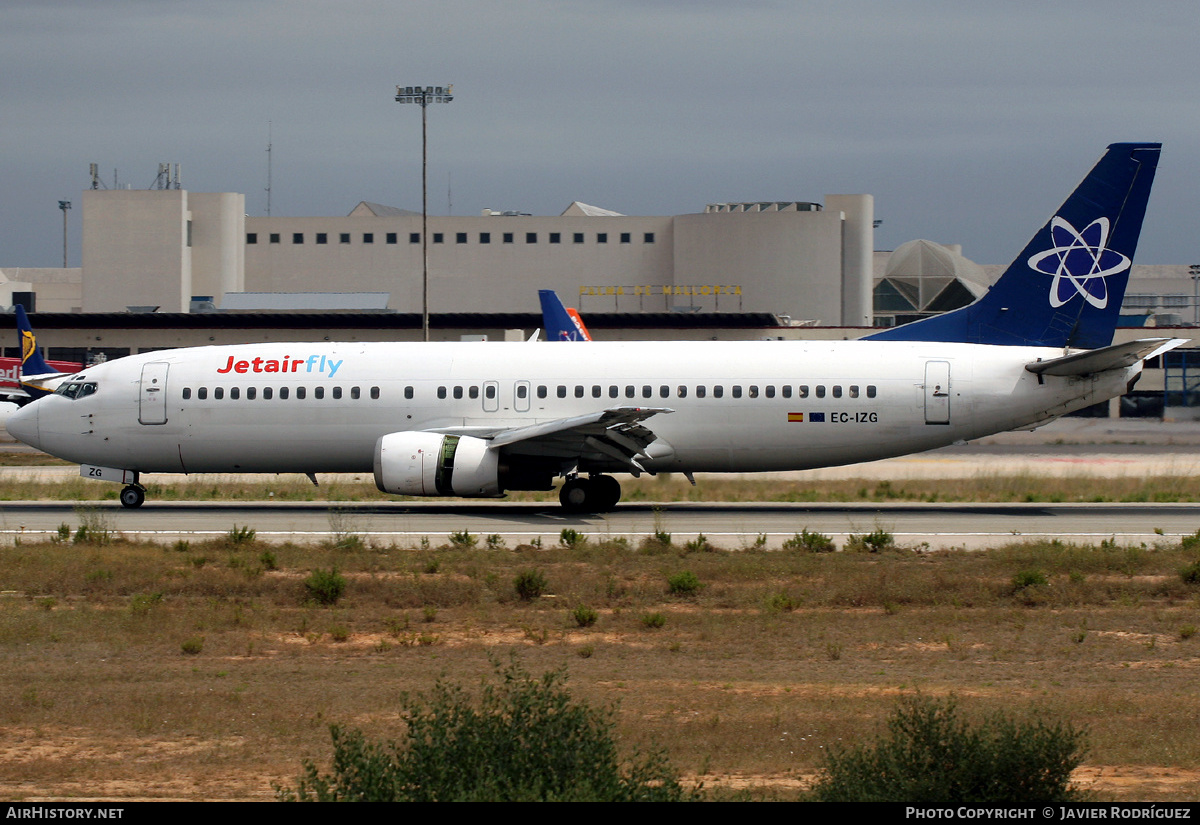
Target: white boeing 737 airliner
(476,419)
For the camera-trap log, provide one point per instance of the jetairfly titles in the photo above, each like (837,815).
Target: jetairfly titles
(312,363)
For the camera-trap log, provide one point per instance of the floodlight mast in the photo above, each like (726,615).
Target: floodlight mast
(423,96)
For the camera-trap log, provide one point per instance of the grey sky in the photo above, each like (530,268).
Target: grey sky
(968,121)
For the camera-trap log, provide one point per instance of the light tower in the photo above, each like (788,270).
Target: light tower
(64,206)
(423,96)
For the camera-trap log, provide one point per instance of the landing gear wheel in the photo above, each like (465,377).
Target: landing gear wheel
(577,495)
(133,496)
(607,492)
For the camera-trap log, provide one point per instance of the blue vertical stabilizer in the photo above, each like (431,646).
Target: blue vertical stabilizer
(1065,289)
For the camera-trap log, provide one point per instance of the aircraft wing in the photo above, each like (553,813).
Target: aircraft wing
(1117,356)
(607,436)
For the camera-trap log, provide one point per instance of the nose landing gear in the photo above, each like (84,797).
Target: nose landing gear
(133,495)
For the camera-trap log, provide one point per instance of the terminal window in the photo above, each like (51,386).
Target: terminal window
(460,237)
(414,237)
(368,237)
(601,237)
(251,237)
(297,237)
(274,237)
(322,238)
(391,237)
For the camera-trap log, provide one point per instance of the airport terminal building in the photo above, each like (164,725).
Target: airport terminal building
(166,249)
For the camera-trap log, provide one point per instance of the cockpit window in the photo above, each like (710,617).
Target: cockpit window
(76,389)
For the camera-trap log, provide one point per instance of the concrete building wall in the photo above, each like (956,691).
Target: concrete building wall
(788,263)
(218,234)
(135,250)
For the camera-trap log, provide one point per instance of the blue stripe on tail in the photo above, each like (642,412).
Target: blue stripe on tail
(1065,289)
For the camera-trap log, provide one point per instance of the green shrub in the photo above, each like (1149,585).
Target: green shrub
(462,540)
(584,616)
(522,739)
(684,583)
(192,646)
(1191,573)
(933,756)
(1028,578)
(240,535)
(874,542)
(530,584)
(571,539)
(653,620)
(325,586)
(807,542)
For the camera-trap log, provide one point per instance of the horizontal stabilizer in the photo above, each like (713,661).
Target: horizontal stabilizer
(1117,356)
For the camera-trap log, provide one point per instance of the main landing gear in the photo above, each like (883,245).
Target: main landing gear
(133,495)
(594,494)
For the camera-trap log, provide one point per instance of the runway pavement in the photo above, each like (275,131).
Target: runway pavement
(1074,447)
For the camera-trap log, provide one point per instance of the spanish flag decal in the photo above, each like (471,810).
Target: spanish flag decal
(795,417)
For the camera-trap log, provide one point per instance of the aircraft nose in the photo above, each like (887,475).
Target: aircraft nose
(23,425)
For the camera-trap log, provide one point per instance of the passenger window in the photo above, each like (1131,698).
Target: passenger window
(202,393)
(613,391)
(681,391)
(837,390)
(408,393)
(562,391)
(700,391)
(374,393)
(441,393)
(820,390)
(318,393)
(803,391)
(267,393)
(854,391)
(647,391)
(235,393)
(770,391)
(737,391)
(664,391)
(541,391)
(337,392)
(718,391)
(283,393)
(579,390)
(489,392)
(870,390)
(218,393)
(458,393)
(187,393)
(472,392)
(753,391)
(597,391)
(522,391)
(301,392)
(630,391)
(786,390)
(356,392)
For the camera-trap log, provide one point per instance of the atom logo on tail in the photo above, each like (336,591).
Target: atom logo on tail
(1079,262)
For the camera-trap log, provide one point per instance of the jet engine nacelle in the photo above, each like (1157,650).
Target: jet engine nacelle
(433,464)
